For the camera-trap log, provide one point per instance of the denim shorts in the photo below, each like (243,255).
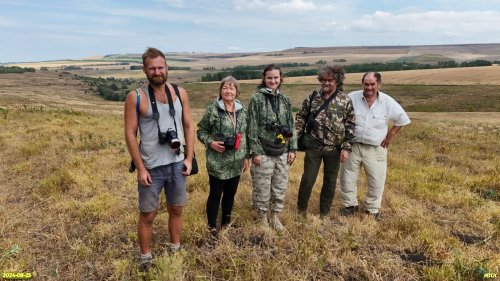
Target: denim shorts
(168,177)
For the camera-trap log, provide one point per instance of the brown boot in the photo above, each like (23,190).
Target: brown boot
(263,219)
(275,222)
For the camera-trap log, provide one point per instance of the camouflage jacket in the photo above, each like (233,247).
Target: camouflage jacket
(260,113)
(216,125)
(334,125)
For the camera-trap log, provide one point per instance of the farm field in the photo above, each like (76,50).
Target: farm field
(68,206)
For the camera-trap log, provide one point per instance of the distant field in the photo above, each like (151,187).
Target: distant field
(199,62)
(57,90)
(487,75)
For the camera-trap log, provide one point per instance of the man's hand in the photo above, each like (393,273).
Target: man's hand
(188,165)
(291,157)
(144,178)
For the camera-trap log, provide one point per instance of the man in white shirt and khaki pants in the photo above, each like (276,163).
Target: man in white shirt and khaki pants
(373,110)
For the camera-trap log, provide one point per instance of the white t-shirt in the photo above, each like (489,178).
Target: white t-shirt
(372,123)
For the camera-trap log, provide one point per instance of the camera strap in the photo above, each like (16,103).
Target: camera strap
(274,101)
(154,107)
(171,104)
(325,104)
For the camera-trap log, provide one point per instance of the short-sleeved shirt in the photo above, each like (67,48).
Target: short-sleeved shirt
(372,123)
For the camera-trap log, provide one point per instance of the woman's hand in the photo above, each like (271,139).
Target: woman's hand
(246,165)
(218,146)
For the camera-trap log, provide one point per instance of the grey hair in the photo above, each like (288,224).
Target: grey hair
(336,72)
(230,80)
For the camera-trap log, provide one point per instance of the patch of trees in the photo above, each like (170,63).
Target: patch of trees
(111,88)
(72,67)
(245,72)
(139,67)
(179,68)
(475,63)
(15,69)
(238,74)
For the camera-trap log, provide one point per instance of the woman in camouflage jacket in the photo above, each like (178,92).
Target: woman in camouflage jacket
(223,130)
(272,144)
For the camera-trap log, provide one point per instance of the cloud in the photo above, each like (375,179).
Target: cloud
(293,6)
(6,22)
(241,5)
(172,3)
(176,3)
(445,22)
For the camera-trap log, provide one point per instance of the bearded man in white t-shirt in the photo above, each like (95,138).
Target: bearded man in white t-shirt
(373,110)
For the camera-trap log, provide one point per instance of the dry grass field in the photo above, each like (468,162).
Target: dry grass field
(446,76)
(68,206)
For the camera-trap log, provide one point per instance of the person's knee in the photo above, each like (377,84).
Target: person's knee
(147,218)
(175,211)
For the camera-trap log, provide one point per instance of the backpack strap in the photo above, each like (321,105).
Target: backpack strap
(176,90)
(137,104)
(309,112)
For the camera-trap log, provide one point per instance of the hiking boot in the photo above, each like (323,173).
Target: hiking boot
(263,219)
(213,233)
(172,248)
(275,222)
(376,216)
(348,211)
(145,264)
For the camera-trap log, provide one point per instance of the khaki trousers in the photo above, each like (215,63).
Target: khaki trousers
(270,182)
(374,161)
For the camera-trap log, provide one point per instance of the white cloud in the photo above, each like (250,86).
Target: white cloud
(241,5)
(173,3)
(444,22)
(6,22)
(176,3)
(293,6)
(233,48)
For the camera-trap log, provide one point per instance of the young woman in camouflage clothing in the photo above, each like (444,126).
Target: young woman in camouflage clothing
(272,145)
(223,130)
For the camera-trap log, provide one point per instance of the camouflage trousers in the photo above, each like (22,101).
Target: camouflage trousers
(270,181)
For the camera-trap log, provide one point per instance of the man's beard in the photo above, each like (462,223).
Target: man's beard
(157,80)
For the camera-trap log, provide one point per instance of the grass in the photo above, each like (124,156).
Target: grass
(69,206)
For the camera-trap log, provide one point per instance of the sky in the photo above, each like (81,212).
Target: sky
(34,30)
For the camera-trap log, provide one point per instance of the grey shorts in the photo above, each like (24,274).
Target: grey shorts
(168,177)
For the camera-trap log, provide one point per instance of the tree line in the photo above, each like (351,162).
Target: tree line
(15,69)
(247,72)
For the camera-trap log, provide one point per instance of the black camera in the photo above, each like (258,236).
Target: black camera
(279,129)
(229,142)
(286,131)
(169,137)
